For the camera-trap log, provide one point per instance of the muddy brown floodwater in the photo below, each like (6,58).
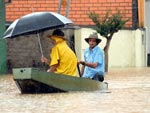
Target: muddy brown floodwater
(129,92)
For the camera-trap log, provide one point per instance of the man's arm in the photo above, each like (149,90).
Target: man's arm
(92,65)
(52,68)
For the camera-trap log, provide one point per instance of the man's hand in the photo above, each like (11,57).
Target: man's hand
(44,60)
(81,62)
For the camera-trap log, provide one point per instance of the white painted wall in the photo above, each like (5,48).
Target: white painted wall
(127,48)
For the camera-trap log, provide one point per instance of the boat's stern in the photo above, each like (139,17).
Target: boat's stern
(22,73)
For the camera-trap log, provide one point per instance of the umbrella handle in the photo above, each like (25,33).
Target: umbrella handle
(73,48)
(40,44)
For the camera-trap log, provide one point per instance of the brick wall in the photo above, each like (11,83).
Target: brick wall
(77,12)
(23,50)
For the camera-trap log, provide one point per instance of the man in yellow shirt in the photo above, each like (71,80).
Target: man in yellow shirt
(63,59)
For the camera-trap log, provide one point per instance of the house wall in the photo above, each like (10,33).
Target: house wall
(127,48)
(77,11)
(147,27)
(24,50)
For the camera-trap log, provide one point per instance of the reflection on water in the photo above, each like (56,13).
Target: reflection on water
(130,93)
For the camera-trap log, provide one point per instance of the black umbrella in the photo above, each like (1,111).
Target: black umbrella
(35,23)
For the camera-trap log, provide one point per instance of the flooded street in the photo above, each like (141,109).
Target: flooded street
(128,92)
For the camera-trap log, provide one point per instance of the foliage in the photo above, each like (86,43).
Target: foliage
(108,24)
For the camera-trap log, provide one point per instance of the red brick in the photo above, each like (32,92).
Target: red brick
(121,1)
(78,8)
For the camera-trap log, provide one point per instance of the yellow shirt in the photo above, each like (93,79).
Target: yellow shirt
(63,56)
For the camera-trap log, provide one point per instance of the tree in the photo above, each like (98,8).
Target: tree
(106,26)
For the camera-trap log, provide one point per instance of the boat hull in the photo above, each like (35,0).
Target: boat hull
(32,80)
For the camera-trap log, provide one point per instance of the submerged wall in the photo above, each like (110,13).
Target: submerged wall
(24,51)
(127,48)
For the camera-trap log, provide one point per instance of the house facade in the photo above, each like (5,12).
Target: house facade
(129,47)
(77,10)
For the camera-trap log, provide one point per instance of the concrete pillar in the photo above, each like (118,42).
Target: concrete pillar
(139,48)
